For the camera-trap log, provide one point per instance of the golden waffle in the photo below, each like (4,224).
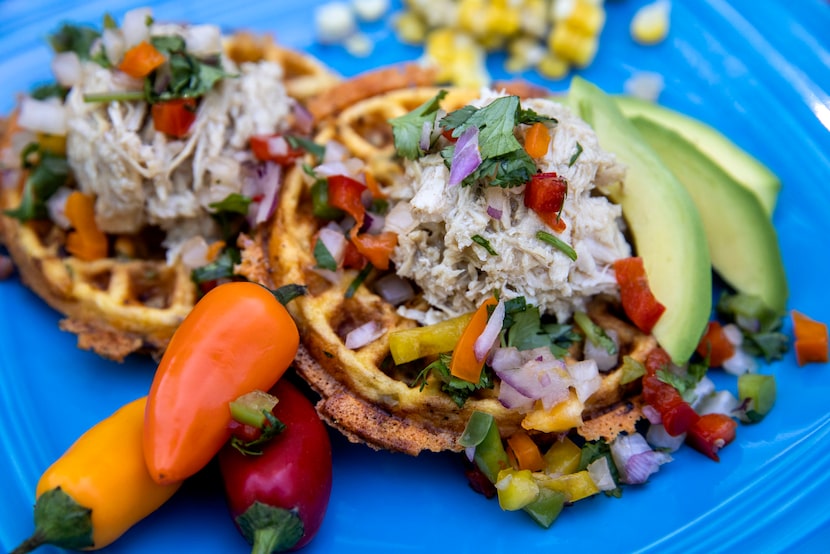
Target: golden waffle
(363,394)
(133,303)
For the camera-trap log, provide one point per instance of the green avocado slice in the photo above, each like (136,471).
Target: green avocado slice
(739,164)
(742,240)
(664,222)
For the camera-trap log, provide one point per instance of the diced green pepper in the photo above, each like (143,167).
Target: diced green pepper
(760,390)
(320,202)
(483,434)
(546,508)
(631,370)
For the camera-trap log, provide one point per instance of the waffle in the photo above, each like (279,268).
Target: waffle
(132,301)
(363,394)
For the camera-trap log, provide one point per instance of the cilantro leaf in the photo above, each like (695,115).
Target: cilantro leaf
(183,76)
(220,268)
(46,176)
(323,257)
(457,389)
(495,122)
(407,129)
(316,150)
(526,332)
(74,38)
(230,214)
(595,333)
(527,116)
(49,90)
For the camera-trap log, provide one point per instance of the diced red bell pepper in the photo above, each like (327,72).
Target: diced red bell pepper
(174,117)
(677,414)
(657,359)
(346,194)
(638,301)
(260,146)
(715,345)
(710,433)
(545,194)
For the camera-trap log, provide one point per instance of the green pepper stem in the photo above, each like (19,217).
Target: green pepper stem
(59,521)
(270,529)
(36,540)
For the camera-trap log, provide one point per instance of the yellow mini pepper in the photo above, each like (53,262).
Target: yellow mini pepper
(99,488)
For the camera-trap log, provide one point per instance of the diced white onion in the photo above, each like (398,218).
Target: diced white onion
(112,40)
(56,206)
(658,437)
(335,152)
(485,341)
(134,27)
(399,219)
(586,378)
(703,388)
(277,146)
(203,40)
(370,10)
(66,67)
(740,363)
(42,116)
(600,473)
(193,252)
(718,402)
(733,334)
(600,355)
(333,22)
(645,84)
(363,335)
(335,242)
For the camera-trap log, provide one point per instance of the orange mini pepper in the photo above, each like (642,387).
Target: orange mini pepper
(99,488)
(811,339)
(86,241)
(464,364)
(537,140)
(237,339)
(525,452)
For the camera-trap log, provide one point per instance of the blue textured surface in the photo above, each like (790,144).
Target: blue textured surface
(758,71)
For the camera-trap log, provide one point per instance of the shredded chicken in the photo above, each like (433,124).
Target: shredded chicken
(143,177)
(436,248)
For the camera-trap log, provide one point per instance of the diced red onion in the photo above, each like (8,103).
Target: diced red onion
(503,359)
(540,377)
(270,183)
(303,120)
(351,167)
(56,206)
(658,437)
(134,26)
(586,379)
(652,415)
(514,400)
(426,136)
(493,212)
(42,116)
(394,289)
(466,157)
(470,452)
(733,334)
(718,402)
(600,355)
(363,335)
(484,343)
(634,458)
(600,472)
(6,267)
(66,67)
(335,242)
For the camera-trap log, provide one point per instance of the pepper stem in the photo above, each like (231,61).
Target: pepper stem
(59,521)
(270,529)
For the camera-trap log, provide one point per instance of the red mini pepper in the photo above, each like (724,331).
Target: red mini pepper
(279,498)
(710,433)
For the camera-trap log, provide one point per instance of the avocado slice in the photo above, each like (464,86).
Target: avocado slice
(739,164)
(663,220)
(742,240)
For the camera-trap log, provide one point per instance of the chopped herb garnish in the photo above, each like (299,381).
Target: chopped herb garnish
(484,243)
(358,280)
(316,150)
(74,38)
(220,268)
(47,173)
(49,90)
(458,389)
(323,257)
(556,242)
(685,384)
(631,370)
(526,331)
(575,155)
(760,326)
(595,333)
(407,129)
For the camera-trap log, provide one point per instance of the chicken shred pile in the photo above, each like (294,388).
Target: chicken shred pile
(435,242)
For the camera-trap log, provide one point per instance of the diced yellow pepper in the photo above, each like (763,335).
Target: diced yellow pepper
(407,345)
(516,488)
(56,144)
(562,457)
(559,418)
(575,486)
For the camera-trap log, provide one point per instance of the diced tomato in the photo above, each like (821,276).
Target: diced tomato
(174,117)
(710,433)
(638,301)
(657,359)
(677,414)
(715,345)
(545,193)
(346,194)
(447,134)
(261,147)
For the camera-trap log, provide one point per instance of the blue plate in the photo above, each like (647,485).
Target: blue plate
(757,71)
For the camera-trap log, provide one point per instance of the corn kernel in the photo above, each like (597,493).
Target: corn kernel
(572,45)
(552,67)
(411,28)
(650,23)
(587,16)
